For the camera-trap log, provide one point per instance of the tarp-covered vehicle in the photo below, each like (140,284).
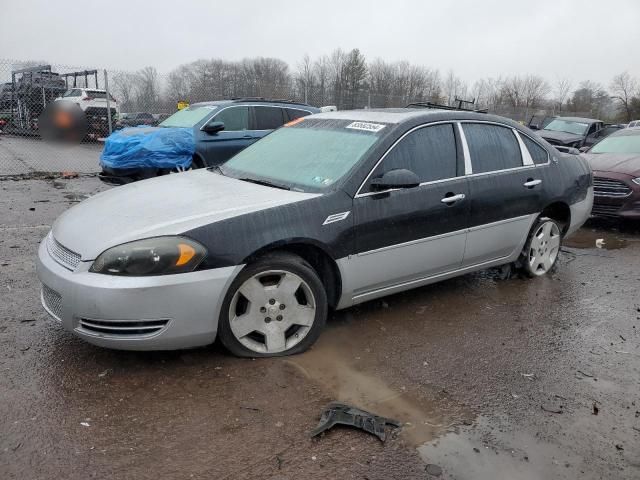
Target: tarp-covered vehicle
(202,135)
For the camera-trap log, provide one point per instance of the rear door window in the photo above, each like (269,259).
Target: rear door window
(492,147)
(234,118)
(268,118)
(538,154)
(429,152)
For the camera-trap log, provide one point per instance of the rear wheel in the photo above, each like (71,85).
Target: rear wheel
(541,251)
(277,306)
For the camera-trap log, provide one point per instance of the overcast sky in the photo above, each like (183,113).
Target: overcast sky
(554,38)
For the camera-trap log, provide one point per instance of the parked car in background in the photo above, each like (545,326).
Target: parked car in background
(574,132)
(634,124)
(218,129)
(93,102)
(5,95)
(135,119)
(329,211)
(615,162)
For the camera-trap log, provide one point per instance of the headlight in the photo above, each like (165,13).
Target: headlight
(152,256)
(636,181)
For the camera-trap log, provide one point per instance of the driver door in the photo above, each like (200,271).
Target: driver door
(412,233)
(219,147)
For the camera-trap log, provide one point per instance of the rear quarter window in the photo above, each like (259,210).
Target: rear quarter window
(293,113)
(538,154)
(492,147)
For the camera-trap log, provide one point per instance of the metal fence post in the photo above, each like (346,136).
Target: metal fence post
(106,87)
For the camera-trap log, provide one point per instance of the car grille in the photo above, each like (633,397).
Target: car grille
(61,254)
(52,302)
(121,328)
(605,210)
(606,187)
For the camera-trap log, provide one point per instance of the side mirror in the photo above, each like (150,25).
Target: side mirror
(583,149)
(213,127)
(534,127)
(400,178)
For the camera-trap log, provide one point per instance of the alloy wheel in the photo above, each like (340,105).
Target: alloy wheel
(272,311)
(544,248)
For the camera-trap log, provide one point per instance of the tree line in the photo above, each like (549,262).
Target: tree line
(347,80)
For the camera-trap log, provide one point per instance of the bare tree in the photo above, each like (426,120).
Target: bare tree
(305,76)
(321,72)
(561,92)
(123,88)
(624,87)
(147,89)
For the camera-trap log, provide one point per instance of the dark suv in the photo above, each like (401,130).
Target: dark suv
(204,134)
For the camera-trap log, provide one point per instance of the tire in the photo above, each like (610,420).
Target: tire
(542,248)
(276,306)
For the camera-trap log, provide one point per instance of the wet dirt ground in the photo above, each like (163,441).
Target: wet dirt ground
(492,378)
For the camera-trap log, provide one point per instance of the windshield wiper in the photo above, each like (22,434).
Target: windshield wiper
(265,183)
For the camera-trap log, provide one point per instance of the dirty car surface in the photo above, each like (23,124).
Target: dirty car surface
(330,211)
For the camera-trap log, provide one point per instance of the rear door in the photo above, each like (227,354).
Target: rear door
(219,147)
(408,234)
(506,191)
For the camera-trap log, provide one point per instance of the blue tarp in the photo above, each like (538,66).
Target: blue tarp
(148,147)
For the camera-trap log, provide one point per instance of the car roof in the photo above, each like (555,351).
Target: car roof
(252,101)
(578,119)
(402,115)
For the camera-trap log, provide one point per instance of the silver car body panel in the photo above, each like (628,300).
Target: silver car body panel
(189,303)
(357,270)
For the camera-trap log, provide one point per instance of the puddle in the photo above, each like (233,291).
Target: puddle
(76,197)
(340,364)
(585,238)
(484,453)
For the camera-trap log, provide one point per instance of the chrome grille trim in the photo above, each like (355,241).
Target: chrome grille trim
(601,210)
(52,302)
(61,254)
(606,187)
(121,328)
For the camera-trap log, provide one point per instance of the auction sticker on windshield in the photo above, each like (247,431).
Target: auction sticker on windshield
(368,127)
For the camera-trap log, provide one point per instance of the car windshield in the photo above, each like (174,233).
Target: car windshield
(618,144)
(567,126)
(308,155)
(188,117)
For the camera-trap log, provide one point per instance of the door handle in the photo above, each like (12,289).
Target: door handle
(530,183)
(453,198)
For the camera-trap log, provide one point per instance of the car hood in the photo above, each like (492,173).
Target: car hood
(627,163)
(167,205)
(562,137)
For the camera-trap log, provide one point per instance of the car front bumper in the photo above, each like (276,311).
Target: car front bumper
(134,313)
(621,205)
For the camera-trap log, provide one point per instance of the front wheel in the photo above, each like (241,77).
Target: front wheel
(277,306)
(542,248)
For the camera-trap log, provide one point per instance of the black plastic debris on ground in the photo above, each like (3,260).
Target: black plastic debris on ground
(342,414)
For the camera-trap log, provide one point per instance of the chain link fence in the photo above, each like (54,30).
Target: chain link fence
(111,99)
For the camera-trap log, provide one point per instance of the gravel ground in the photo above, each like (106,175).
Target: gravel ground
(23,155)
(492,378)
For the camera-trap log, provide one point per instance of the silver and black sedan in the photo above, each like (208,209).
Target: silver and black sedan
(326,212)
